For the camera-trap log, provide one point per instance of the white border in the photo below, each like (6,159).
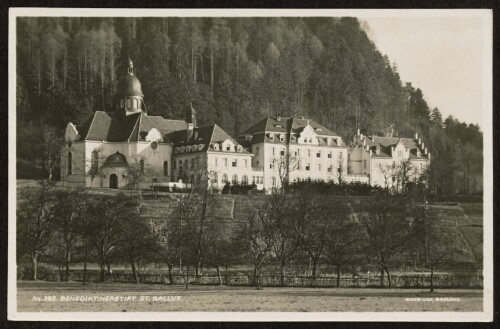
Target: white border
(486,315)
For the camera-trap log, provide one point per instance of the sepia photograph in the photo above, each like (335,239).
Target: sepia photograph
(264,165)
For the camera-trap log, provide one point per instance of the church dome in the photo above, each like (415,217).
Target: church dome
(129,85)
(115,160)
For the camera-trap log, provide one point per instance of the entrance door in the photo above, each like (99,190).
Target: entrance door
(113,181)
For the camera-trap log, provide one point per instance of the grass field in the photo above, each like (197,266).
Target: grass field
(158,298)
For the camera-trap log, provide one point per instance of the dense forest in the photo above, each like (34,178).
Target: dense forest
(234,71)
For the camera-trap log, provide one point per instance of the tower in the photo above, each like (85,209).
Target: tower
(129,97)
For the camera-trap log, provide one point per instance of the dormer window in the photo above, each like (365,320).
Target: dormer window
(201,147)
(216,147)
(248,137)
(183,149)
(282,138)
(188,149)
(271,137)
(239,148)
(228,148)
(278,126)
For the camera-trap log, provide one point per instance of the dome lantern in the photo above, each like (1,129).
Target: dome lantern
(128,95)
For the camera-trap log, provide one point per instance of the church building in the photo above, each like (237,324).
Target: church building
(127,148)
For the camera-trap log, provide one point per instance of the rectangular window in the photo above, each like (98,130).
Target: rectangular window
(330,155)
(282,152)
(271,165)
(273,150)
(298,152)
(216,162)
(364,164)
(308,166)
(330,169)
(340,154)
(309,153)
(256,151)
(246,163)
(393,164)
(257,162)
(235,163)
(319,166)
(318,154)
(175,165)
(225,162)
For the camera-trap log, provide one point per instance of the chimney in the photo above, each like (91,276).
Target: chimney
(373,138)
(359,132)
(364,142)
(416,135)
(371,152)
(422,145)
(425,150)
(378,151)
(361,136)
(278,117)
(419,140)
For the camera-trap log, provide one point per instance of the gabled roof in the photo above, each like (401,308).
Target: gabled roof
(385,144)
(285,125)
(206,135)
(103,126)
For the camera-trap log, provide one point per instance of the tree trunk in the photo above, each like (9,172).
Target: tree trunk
(389,278)
(219,275)
(256,277)
(34,263)
(381,277)
(211,72)
(101,279)
(338,275)
(67,261)
(187,277)
(85,264)
(134,272)
(282,273)
(432,277)
(170,277)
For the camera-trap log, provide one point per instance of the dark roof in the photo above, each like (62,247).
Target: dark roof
(206,135)
(103,126)
(284,125)
(129,85)
(385,144)
(115,160)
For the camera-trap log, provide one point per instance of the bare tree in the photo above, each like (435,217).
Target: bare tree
(35,216)
(70,208)
(343,241)
(136,242)
(256,234)
(103,226)
(285,164)
(388,229)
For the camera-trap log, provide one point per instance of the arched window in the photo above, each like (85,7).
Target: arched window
(136,104)
(214,178)
(165,168)
(70,163)
(235,179)
(224,179)
(141,166)
(94,162)
(244,180)
(129,103)
(274,181)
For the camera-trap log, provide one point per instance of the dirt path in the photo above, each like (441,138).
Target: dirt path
(72,296)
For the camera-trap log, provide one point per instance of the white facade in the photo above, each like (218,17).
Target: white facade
(388,161)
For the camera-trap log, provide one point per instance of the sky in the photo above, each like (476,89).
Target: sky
(442,56)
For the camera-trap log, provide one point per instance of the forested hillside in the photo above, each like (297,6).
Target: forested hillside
(234,71)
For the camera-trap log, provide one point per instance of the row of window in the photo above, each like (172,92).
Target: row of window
(297,153)
(190,148)
(131,103)
(234,179)
(227,147)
